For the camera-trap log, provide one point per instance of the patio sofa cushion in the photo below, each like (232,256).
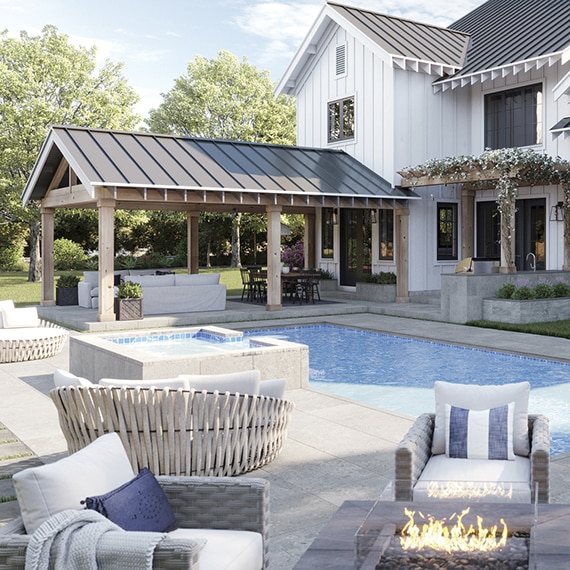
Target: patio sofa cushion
(477,474)
(5,305)
(481,397)
(152,280)
(479,434)
(173,383)
(196,279)
(245,382)
(13,318)
(274,388)
(63,378)
(226,549)
(48,489)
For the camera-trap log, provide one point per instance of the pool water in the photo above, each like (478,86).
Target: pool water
(398,373)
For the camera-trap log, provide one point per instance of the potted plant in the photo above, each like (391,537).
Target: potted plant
(66,290)
(129,302)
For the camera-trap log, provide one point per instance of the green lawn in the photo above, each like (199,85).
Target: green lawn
(14,284)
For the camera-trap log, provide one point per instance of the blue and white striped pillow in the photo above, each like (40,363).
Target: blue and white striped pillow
(479,434)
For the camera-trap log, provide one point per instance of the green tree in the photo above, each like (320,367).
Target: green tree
(44,80)
(225,98)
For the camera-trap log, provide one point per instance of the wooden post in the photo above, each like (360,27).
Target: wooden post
(47,257)
(467,223)
(273,258)
(508,232)
(402,254)
(106,207)
(193,219)
(309,241)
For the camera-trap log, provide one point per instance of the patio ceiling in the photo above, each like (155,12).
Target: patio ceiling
(150,171)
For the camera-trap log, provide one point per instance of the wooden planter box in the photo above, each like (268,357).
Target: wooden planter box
(65,296)
(129,309)
(376,293)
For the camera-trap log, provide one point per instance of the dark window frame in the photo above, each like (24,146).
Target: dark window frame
(447,231)
(386,235)
(514,117)
(341,119)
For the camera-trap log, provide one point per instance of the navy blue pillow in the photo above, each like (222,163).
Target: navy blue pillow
(138,505)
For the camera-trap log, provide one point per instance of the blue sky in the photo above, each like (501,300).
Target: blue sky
(157,38)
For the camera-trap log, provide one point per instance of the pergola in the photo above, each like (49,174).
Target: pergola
(527,168)
(110,170)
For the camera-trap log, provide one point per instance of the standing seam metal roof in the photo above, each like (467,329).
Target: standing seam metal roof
(143,160)
(509,31)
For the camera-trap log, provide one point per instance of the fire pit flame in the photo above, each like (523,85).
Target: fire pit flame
(437,535)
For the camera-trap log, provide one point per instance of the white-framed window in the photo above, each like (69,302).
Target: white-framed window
(341,120)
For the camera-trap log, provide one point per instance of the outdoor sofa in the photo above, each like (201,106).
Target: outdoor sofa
(180,426)
(163,291)
(221,522)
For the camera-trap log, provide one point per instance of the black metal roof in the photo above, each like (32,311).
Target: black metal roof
(117,159)
(509,31)
(406,38)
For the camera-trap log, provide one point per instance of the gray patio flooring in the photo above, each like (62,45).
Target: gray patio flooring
(336,449)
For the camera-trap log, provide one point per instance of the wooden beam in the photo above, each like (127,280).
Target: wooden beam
(75,197)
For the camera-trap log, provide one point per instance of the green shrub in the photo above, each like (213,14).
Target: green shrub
(68,255)
(506,291)
(544,291)
(325,274)
(126,262)
(561,289)
(11,258)
(523,293)
(382,278)
(129,290)
(67,281)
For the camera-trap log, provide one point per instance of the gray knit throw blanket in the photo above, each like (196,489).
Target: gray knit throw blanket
(86,540)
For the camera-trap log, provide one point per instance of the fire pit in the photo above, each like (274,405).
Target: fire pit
(462,540)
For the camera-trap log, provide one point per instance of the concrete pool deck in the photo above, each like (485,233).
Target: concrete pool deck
(336,449)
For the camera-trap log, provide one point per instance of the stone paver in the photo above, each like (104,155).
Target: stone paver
(336,450)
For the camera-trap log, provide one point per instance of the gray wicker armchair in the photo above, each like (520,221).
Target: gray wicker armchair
(414,451)
(197,502)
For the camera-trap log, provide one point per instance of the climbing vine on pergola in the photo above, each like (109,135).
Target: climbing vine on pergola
(505,170)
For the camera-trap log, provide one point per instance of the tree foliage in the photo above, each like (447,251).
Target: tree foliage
(44,80)
(224,98)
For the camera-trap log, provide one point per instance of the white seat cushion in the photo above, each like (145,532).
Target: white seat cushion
(26,317)
(49,489)
(226,549)
(5,305)
(274,388)
(442,469)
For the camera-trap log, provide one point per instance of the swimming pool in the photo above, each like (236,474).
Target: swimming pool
(398,373)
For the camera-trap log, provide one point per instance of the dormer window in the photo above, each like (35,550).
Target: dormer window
(341,120)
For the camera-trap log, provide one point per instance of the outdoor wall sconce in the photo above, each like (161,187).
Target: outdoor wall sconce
(372,216)
(334,217)
(557,212)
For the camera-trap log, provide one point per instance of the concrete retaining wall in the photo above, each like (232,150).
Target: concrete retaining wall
(531,311)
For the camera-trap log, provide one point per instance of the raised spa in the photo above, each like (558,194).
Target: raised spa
(166,353)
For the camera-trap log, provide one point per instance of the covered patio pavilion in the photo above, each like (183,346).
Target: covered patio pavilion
(114,170)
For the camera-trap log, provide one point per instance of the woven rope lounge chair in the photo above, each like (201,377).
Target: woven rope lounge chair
(177,432)
(23,336)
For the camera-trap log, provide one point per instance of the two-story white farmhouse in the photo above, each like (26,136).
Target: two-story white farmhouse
(394,93)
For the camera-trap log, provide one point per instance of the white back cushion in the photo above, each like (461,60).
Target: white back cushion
(274,388)
(474,397)
(63,378)
(26,317)
(49,489)
(173,383)
(246,382)
(197,279)
(152,280)
(5,305)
